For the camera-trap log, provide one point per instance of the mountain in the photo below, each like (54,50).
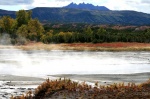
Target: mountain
(70,15)
(86,6)
(7,13)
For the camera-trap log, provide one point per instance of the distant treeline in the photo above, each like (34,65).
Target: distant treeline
(24,29)
(70,33)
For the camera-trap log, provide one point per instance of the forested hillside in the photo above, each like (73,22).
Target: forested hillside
(24,28)
(65,15)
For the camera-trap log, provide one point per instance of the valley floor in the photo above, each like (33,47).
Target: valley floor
(19,85)
(115,46)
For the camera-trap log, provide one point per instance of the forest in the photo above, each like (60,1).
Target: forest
(24,29)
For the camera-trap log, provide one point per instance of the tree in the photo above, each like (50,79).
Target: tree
(23,17)
(35,30)
(23,31)
(48,37)
(28,16)
(148,31)
(75,37)
(100,35)
(88,34)
(68,37)
(61,37)
(147,36)
(6,24)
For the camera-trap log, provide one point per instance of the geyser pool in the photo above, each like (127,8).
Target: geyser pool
(41,62)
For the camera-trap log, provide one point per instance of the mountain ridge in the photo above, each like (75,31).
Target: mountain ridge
(87,6)
(71,15)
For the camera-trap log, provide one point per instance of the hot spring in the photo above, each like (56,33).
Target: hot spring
(42,63)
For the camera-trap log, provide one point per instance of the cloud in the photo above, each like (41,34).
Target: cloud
(15,2)
(78,1)
(15,5)
(51,3)
(64,0)
(146,1)
(137,5)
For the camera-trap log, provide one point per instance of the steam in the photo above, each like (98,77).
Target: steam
(5,39)
(41,63)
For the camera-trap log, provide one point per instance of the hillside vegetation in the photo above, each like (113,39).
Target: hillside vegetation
(69,15)
(24,28)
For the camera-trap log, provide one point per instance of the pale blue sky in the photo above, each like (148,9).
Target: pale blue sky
(137,5)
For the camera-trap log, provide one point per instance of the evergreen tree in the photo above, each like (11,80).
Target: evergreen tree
(88,34)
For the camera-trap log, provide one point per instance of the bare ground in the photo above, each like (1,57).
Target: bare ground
(115,46)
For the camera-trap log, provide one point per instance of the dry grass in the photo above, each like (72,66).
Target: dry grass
(117,46)
(67,89)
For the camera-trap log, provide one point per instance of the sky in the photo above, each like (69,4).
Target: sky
(136,5)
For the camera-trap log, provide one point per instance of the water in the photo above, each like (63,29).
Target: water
(41,63)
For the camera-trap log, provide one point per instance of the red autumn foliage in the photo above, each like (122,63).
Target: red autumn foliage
(110,45)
